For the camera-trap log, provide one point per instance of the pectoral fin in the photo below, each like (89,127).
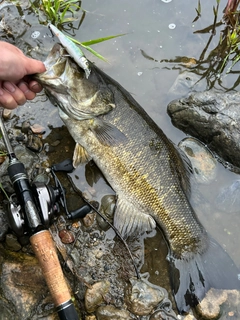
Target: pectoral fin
(80,155)
(128,219)
(106,133)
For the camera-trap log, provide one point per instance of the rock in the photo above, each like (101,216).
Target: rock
(23,286)
(37,128)
(7,114)
(110,312)
(94,296)
(142,297)
(203,162)
(89,219)
(25,127)
(210,306)
(34,143)
(66,236)
(213,118)
(12,243)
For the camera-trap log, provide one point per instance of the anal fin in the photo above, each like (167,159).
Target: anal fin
(128,219)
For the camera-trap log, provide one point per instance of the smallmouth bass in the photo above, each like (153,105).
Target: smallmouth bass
(144,168)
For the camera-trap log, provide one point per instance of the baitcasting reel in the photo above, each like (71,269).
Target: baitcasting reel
(47,200)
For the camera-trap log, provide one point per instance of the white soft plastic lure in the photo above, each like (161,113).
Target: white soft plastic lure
(72,49)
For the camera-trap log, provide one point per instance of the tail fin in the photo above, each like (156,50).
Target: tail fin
(191,279)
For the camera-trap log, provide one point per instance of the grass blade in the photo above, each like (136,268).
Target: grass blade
(91,42)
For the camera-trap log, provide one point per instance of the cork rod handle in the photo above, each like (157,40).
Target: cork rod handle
(45,251)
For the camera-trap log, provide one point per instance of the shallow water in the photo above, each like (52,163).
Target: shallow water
(146,25)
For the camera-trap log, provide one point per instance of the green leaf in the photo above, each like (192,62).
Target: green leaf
(91,42)
(98,55)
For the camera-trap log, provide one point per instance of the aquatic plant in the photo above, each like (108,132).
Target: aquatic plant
(57,12)
(226,53)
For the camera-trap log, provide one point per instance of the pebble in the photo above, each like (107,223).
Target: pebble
(66,236)
(89,219)
(34,143)
(7,114)
(94,296)
(25,127)
(110,312)
(12,242)
(37,128)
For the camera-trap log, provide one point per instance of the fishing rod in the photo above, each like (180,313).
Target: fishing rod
(33,213)
(31,209)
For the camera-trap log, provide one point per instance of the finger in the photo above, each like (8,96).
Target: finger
(34,66)
(6,100)
(14,91)
(35,86)
(29,94)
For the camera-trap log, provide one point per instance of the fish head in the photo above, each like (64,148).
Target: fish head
(66,83)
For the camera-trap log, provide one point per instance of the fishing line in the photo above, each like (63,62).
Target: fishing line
(109,223)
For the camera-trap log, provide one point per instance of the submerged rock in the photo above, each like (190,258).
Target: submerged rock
(95,295)
(203,162)
(142,297)
(213,118)
(110,312)
(211,306)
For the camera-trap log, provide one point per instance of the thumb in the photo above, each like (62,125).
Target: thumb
(34,66)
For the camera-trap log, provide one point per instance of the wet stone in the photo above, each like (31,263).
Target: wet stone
(210,306)
(12,243)
(203,162)
(34,143)
(7,114)
(23,285)
(110,312)
(66,236)
(94,296)
(89,219)
(142,297)
(25,127)
(37,128)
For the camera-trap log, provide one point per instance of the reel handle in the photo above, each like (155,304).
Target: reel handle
(45,251)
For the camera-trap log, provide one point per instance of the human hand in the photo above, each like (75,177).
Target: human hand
(16,86)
